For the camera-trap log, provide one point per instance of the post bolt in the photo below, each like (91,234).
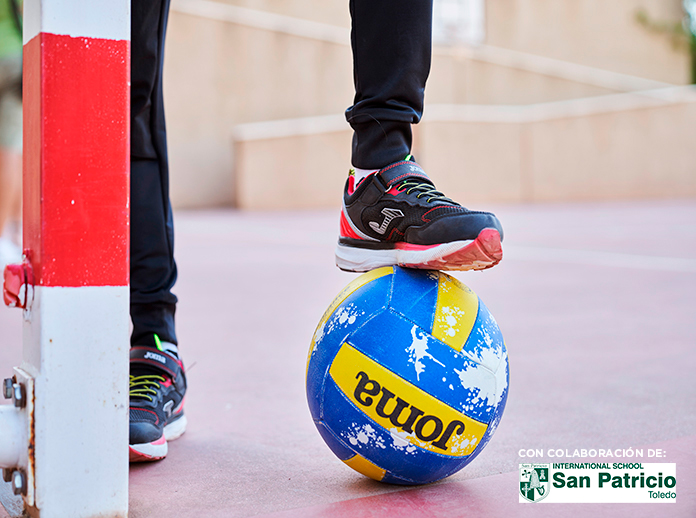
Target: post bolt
(7,388)
(19,395)
(19,483)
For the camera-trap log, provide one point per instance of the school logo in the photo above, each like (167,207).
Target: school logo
(534,481)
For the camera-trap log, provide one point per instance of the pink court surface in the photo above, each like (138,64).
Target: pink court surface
(597,306)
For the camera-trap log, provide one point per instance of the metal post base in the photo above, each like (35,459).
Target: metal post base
(13,504)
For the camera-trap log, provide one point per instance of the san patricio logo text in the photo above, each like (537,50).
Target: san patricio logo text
(598,482)
(628,479)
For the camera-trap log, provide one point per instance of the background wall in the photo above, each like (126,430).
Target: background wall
(597,33)
(232,64)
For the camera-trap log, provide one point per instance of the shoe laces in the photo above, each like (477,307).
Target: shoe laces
(424,189)
(145,386)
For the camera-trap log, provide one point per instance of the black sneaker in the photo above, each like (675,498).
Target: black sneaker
(396,217)
(157,389)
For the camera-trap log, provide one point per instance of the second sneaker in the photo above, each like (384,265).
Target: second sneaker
(157,389)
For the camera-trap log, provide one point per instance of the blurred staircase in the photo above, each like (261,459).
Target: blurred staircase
(255,94)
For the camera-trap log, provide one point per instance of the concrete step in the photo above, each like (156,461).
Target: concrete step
(621,146)
(231,64)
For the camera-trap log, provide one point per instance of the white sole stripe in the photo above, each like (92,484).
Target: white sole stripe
(154,451)
(361,259)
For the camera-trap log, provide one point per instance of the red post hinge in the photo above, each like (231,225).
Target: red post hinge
(18,288)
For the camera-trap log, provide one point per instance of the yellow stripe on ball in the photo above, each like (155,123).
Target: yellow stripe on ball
(364,466)
(455,312)
(414,417)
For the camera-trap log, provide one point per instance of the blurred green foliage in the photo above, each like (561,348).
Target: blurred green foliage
(682,33)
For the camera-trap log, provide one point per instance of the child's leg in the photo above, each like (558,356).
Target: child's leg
(392,213)
(391,42)
(153,270)
(157,379)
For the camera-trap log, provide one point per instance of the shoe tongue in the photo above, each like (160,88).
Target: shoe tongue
(400,171)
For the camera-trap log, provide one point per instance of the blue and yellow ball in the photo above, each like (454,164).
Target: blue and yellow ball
(407,375)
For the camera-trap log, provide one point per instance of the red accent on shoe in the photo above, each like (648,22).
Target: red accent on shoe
(396,180)
(423,217)
(166,383)
(409,246)
(426,220)
(393,190)
(394,231)
(351,184)
(482,253)
(136,456)
(346,229)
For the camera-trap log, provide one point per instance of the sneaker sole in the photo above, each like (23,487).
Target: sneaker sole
(483,252)
(158,449)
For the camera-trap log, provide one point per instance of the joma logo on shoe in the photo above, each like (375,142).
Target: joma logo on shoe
(414,420)
(156,357)
(389,216)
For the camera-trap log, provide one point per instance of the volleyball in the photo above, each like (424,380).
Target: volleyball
(407,375)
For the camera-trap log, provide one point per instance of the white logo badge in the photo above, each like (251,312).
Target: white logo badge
(156,357)
(389,215)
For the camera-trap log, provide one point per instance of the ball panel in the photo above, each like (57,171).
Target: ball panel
(420,359)
(455,312)
(414,294)
(487,347)
(486,376)
(350,314)
(502,382)
(352,287)
(404,409)
(485,344)
(493,426)
(337,446)
(364,466)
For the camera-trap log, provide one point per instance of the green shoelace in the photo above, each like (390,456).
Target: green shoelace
(143,386)
(424,189)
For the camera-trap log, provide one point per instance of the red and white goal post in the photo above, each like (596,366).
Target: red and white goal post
(63,443)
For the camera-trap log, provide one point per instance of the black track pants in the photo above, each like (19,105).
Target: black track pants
(153,270)
(391,43)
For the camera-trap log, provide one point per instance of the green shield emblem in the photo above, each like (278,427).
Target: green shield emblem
(534,481)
